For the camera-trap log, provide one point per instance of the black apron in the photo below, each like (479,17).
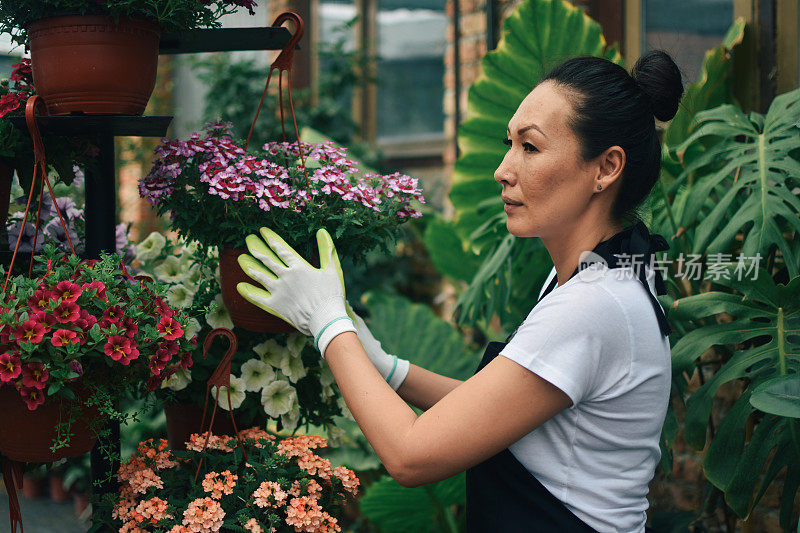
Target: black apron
(502,495)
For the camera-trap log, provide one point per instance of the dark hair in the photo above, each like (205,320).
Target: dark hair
(615,108)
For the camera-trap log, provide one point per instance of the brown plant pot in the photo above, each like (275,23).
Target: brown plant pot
(183,419)
(32,486)
(57,491)
(244,314)
(81,502)
(27,436)
(88,64)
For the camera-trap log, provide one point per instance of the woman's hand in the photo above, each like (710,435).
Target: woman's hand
(311,299)
(393,369)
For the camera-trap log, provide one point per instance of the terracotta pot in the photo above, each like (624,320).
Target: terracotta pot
(88,64)
(183,419)
(244,314)
(57,491)
(32,486)
(81,502)
(27,436)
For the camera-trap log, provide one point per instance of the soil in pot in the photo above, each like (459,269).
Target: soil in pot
(27,436)
(90,64)
(244,314)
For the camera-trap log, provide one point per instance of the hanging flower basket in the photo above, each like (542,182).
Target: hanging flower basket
(90,64)
(27,436)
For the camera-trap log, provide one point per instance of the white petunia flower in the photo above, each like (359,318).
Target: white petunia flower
(192,328)
(171,270)
(290,419)
(328,392)
(177,381)
(278,398)
(237,394)
(219,317)
(181,296)
(345,410)
(293,368)
(326,376)
(295,343)
(335,435)
(192,276)
(271,352)
(257,374)
(150,248)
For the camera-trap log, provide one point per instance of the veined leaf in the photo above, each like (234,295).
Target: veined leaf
(778,396)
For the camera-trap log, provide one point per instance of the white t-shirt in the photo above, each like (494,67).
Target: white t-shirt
(597,339)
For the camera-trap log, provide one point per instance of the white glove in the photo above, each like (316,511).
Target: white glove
(311,299)
(393,369)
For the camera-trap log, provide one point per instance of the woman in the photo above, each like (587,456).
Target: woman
(562,431)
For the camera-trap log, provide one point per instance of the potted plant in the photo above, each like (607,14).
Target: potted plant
(101,57)
(255,481)
(16,147)
(216,193)
(77,337)
(273,377)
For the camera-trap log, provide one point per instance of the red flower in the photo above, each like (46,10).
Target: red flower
(86,321)
(10,367)
(167,349)
(130,326)
(22,71)
(163,309)
(30,331)
(45,318)
(76,367)
(113,314)
(35,375)
(67,312)
(67,291)
(186,360)
(40,300)
(98,286)
(32,397)
(8,103)
(169,328)
(64,336)
(121,349)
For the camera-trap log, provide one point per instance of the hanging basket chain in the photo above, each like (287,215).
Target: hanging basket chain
(284,63)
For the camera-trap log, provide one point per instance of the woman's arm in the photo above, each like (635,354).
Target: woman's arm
(479,418)
(423,388)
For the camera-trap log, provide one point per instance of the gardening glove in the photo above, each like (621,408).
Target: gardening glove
(311,299)
(393,369)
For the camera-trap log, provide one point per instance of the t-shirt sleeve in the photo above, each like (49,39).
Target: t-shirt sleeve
(567,338)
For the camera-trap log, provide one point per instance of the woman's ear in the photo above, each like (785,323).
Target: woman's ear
(610,165)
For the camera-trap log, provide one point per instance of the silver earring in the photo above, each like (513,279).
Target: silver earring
(599,187)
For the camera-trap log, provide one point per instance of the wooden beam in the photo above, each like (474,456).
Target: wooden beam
(787,19)
(632,32)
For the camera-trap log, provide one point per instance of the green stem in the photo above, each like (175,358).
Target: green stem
(781,342)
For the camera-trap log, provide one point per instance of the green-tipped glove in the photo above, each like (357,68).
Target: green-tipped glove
(310,299)
(393,369)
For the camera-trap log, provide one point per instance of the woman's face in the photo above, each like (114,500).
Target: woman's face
(546,183)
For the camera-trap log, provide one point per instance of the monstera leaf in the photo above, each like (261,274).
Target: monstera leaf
(746,181)
(537,36)
(765,335)
(397,509)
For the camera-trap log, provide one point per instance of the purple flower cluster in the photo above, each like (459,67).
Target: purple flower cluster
(278,179)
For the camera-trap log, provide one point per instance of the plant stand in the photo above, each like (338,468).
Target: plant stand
(100,193)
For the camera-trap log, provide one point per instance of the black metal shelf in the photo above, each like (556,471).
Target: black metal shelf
(113,125)
(224,40)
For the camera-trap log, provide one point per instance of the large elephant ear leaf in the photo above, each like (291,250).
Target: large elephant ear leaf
(397,509)
(537,36)
(749,174)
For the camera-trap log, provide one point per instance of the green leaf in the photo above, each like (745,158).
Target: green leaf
(778,396)
(95,333)
(412,331)
(394,508)
(447,251)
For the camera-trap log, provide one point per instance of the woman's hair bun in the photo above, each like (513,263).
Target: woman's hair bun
(660,79)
